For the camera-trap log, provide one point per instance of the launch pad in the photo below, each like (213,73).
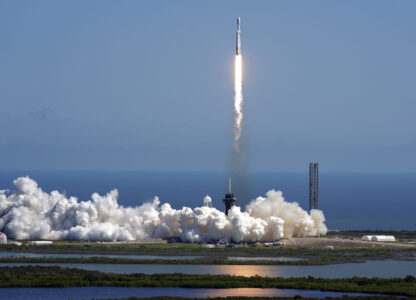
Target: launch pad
(229,198)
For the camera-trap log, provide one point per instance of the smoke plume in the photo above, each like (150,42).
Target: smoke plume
(238,163)
(30,213)
(238,101)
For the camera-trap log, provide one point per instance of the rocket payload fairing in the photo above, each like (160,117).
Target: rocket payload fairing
(238,38)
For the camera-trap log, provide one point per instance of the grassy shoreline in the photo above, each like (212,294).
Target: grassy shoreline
(38,276)
(197,261)
(307,256)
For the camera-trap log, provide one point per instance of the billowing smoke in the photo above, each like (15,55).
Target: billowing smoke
(30,213)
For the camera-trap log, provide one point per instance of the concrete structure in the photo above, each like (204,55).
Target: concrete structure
(40,243)
(3,238)
(379,238)
(313,186)
(229,199)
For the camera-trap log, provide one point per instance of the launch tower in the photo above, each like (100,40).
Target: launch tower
(229,199)
(313,186)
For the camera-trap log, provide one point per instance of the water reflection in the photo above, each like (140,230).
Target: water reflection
(386,269)
(248,270)
(279,258)
(124,292)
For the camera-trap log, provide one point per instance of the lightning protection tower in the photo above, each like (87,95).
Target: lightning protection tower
(313,186)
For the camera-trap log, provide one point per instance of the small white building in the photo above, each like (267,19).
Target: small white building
(3,238)
(40,243)
(379,238)
(14,243)
(383,238)
(366,237)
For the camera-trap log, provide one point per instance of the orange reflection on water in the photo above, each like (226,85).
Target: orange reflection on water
(243,292)
(250,270)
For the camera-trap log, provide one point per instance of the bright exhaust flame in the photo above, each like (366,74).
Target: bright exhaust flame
(238,101)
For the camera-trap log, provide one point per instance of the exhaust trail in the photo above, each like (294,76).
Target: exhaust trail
(239,159)
(238,102)
(238,90)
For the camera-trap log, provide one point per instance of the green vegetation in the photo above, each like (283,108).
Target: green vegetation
(196,261)
(37,276)
(189,249)
(308,255)
(119,248)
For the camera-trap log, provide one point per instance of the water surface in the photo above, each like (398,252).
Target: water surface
(124,292)
(383,268)
(280,258)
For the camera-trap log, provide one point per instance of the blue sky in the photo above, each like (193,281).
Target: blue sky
(148,85)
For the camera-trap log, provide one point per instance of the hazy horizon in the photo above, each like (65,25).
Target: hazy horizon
(305,171)
(348,200)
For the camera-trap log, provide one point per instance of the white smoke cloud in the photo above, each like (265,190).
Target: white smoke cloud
(30,213)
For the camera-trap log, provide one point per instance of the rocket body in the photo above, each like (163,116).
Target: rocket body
(238,38)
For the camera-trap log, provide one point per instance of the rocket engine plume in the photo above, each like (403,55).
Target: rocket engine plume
(30,213)
(238,90)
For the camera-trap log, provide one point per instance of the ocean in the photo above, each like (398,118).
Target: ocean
(348,200)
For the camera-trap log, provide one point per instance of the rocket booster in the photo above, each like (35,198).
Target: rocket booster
(238,38)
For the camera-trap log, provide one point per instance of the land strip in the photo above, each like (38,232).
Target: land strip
(307,255)
(307,260)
